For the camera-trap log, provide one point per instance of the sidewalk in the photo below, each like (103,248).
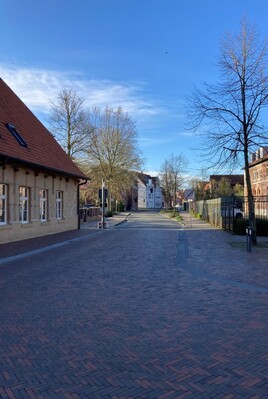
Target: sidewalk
(111,221)
(191,223)
(87,228)
(214,253)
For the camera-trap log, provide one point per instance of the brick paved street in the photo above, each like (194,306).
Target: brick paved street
(147,309)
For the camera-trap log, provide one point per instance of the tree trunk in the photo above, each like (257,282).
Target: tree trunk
(251,208)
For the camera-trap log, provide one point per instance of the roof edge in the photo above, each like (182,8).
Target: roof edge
(10,160)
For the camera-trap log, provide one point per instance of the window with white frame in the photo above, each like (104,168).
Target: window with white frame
(59,204)
(43,195)
(24,204)
(3,203)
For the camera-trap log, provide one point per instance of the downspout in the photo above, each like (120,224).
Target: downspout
(78,201)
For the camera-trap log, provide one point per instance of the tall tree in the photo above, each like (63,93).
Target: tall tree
(231,110)
(200,185)
(221,188)
(166,182)
(69,123)
(112,152)
(173,177)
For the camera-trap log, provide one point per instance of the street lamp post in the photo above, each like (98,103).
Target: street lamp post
(103,204)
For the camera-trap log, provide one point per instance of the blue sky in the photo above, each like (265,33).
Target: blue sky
(144,55)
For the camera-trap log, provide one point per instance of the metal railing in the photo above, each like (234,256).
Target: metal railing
(231,213)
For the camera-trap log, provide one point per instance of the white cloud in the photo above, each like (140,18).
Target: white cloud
(36,87)
(152,141)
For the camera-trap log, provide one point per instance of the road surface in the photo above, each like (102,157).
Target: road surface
(142,310)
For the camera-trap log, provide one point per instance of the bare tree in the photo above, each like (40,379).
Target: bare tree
(112,152)
(166,182)
(231,110)
(200,185)
(68,121)
(172,177)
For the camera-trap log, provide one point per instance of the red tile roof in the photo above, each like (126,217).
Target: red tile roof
(42,151)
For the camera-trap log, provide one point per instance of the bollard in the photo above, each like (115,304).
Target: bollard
(248,234)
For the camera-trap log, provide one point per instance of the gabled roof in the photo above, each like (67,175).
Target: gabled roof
(143,178)
(189,194)
(259,160)
(38,149)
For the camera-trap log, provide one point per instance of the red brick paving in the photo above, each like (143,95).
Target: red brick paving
(159,314)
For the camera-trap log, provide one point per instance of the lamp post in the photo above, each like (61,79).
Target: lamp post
(190,211)
(103,203)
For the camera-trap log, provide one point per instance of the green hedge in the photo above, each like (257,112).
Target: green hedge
(241,224)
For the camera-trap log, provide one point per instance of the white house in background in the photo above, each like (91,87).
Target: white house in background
(147,193)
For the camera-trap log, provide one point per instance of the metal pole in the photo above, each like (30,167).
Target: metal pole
(248,233)
(103,203)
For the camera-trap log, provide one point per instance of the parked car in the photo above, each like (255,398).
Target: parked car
(232,211)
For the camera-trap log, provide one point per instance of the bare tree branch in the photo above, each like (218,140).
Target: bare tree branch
(231,110)
(68,121)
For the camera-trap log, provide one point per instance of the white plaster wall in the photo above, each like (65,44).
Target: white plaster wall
(141,196)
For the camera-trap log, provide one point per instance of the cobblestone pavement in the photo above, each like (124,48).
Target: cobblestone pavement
(147,309)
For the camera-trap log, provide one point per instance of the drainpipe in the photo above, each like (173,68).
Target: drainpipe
(78,200)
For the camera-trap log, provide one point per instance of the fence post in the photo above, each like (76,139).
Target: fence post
(248,234)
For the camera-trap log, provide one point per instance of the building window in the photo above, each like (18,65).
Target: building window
(24,204)
(59,204)
(16,135)
(3,204)
(43,194)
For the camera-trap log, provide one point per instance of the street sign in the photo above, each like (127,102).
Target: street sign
(106,193)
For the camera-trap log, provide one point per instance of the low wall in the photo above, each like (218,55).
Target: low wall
(87,214)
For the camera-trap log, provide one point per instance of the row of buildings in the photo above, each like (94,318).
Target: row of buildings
(39,183)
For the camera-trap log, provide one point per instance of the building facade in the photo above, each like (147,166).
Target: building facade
(258,171)
(147,193)
(39,183)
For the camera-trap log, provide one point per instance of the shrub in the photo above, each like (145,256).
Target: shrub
(120,206)
(172,214)
(262,227)
(241,224)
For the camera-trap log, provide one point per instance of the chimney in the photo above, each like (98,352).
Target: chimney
(252,157)
(258,153)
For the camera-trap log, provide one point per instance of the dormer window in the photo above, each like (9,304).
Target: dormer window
(16,135)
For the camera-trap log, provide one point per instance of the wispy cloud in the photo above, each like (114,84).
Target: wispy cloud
(36,87)
(186,133)
(169,138)
(156,141)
